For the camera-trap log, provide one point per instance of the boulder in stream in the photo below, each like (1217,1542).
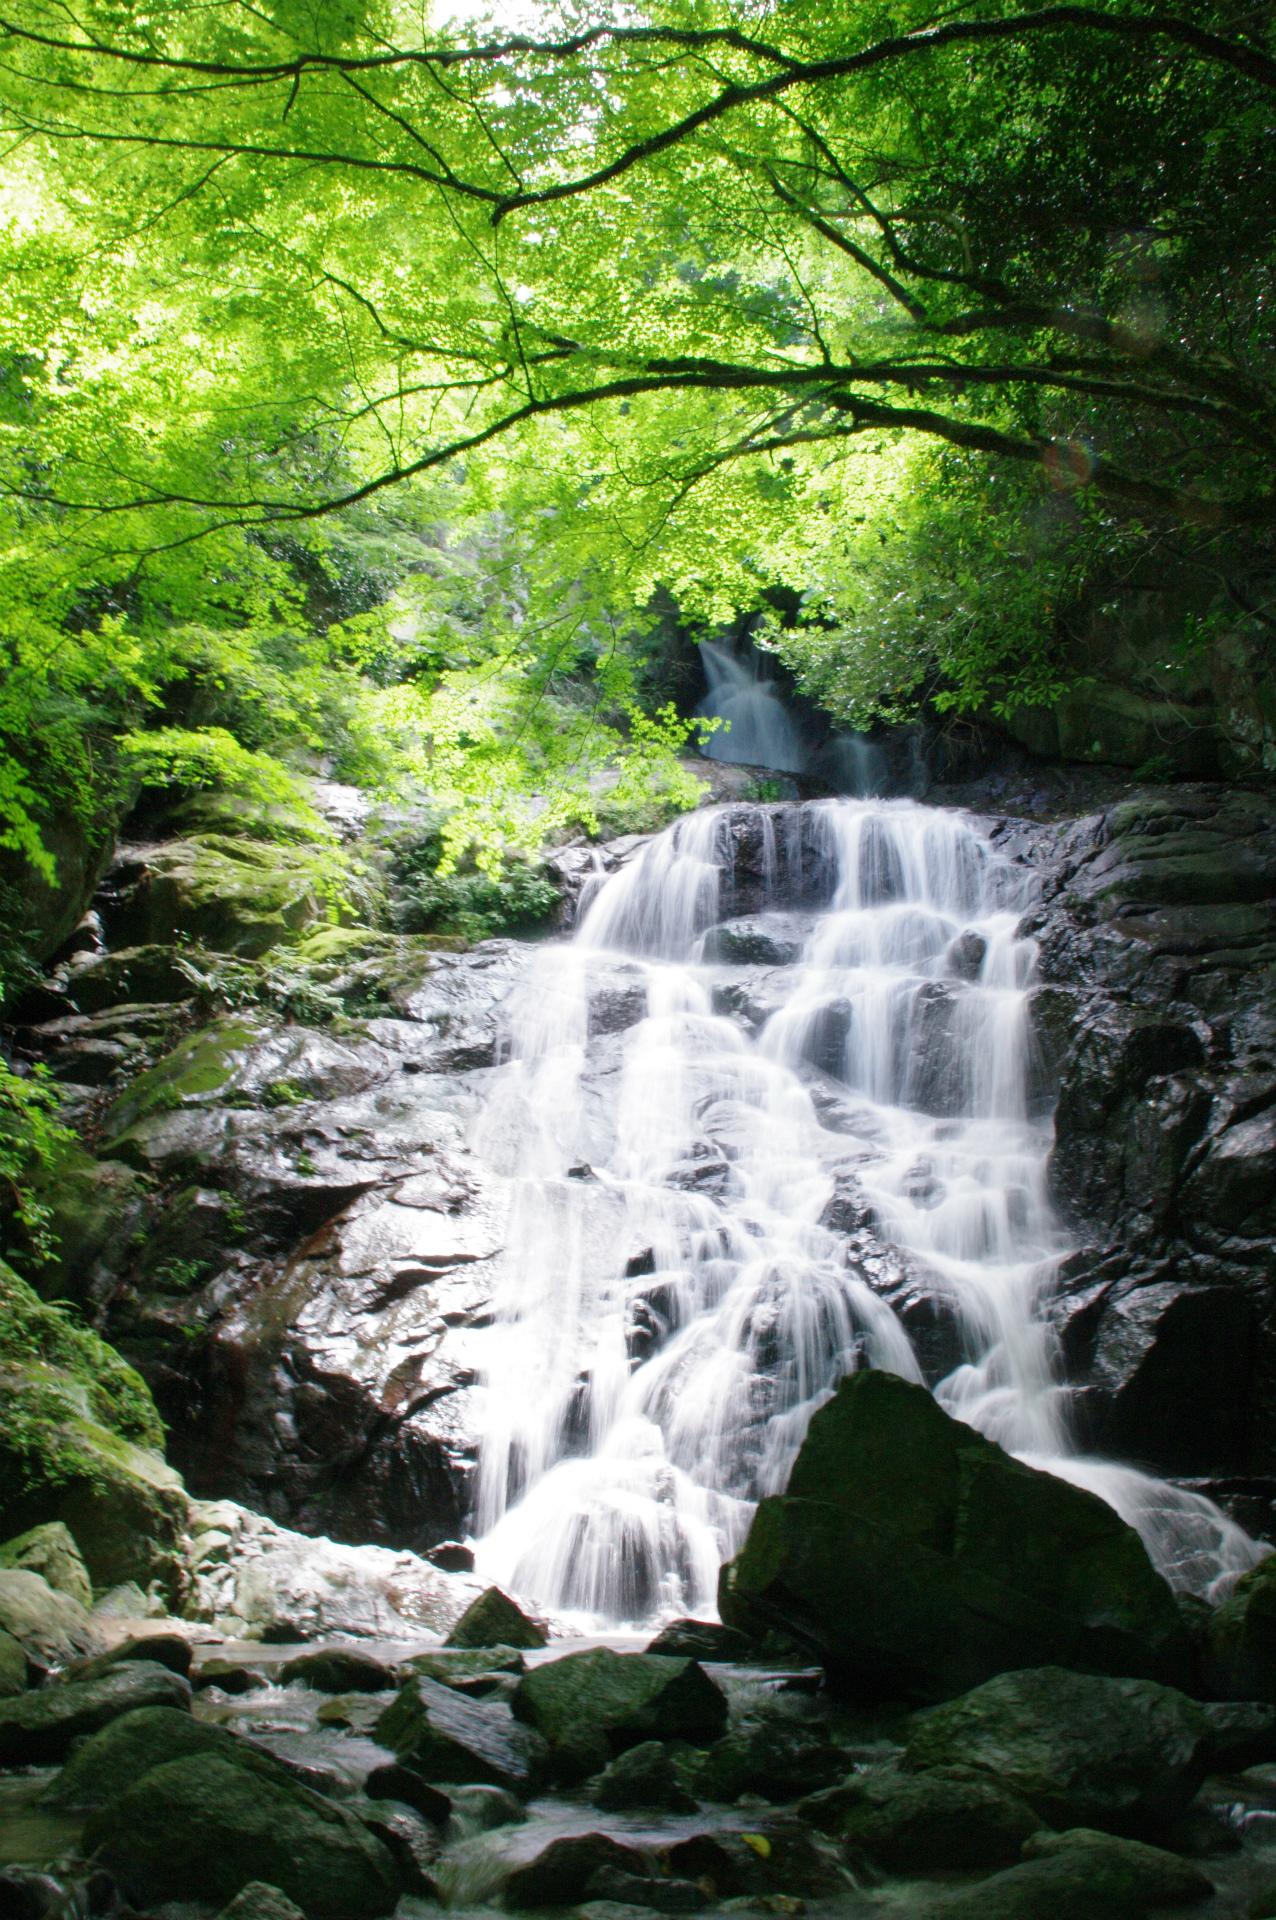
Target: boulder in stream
(562,1871)
(443,1736)
(204,1827)
(494,1620)
(50,1551)
(948,1817)
(590,1706)
(917,1558)
(1125,1756)
(38,1728)
(1240,1641)
(1079,1875)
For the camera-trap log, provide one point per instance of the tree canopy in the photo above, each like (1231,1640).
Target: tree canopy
(917,312)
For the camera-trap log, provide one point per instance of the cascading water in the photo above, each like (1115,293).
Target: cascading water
(691,1104)
(761,732)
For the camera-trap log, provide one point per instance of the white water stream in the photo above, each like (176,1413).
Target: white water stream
(673,1311)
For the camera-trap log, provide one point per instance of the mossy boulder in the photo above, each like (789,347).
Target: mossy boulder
(1240,1639)
(1078,1875)
(443,1736)
(1124,1756)
(38,1728)
(591,1706)
(50,1627)
(494,1620)
(206,1826)
(946,1818)
(80,1444)
(231,892)
(13,1666)
(130,1746)
(50,1551)
(915,1558)
(338,1670)
(642,1776)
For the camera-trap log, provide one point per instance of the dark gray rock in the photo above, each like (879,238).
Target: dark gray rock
(445,1737)
(701,1640)
(943,1819)
(916,1558)
(561,1872)
(338,1670)
(494,1620)
(642,1776)
(37,1729)
(1082,1749)
(1077,1876)
(590,1706)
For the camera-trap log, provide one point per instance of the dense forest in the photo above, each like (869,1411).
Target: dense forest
(401,411)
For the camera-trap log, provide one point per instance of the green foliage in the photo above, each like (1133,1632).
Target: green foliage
(33,1141)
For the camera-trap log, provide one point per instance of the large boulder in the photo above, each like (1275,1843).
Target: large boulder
(494,1620)
(37,1729)
(561,1872)
(1083,1750)
(591,1706)
(441,1735)
(13,1666)
(1240,1641)
(50,1551)
(948,1817)
(131,1745)
(50,1627)
(1077,1876)
(916,1558)
(80,1444)
(204,1827)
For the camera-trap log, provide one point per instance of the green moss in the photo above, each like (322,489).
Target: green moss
(201,1065)
(71,1367)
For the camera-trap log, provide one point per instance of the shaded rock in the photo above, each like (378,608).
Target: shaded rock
(1083,1750)
(233,894)
(474,1670)
(37,1729)
(1240,1640)
(13,1666)
(50,1551)
(590,1706)
(762,1861)
(411,1841)
(652,1896)
(443,1736)
(130,1746)
(763,940)
(257,1901)
(229,1676)
(494,1620)
(1078,1875)
(916,1557)
(452,1556)
(395,1782)
(918,1823)
(482,1809)
(701,1640)
(774,1756)
(204,1827)
(642,1776)
(1239,1735)
(50,1627)
(171,1650)
(561,1872)
(338,1670)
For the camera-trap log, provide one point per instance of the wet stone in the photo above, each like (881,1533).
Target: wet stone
(644,1776)
(445,1737)
(494,1620)
(563,1871)
(338,1670)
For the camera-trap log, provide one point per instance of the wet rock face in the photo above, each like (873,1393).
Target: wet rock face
(1158,1014)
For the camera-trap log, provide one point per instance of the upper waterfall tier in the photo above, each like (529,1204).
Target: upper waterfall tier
(775,1113)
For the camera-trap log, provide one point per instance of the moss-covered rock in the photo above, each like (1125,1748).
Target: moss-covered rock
(1082,1749)
(443,1736)
(1240,1639)
(50,1551)
(919,1823)
(591,1706)
(38,1728)
(13,1666)
(1077,1876)
(50,1627)
(130,1746)
(916,1558)
(204,1827)
(80,1444)
(494,1620)
(231,892)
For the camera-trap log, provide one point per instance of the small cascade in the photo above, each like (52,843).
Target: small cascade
(786,1060)
(762,732)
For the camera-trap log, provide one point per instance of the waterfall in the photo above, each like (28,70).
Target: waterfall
(781,1081)
(762,732)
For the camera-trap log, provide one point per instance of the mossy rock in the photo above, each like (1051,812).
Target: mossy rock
(40,1728)
(232,893)
(205,1826)
(591,1706)
(50,1551)
(494,1620)
(96,1208)
(922,1823)
(916,1558)
(13,1666)
(50,1627)
(1240,1641)
(80,1444)
(1077,1875)
(199,1071)
(131,1746)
